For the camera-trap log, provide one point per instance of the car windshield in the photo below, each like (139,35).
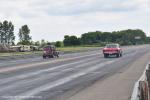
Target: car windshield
(112,46)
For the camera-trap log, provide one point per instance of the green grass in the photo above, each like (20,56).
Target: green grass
(19,53)
(74,49)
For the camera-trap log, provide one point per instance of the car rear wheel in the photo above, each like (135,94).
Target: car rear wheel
(105,55)
(52,56)
(44,57)
(49,56)
(57,56)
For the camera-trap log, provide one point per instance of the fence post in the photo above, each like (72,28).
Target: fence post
(142,87)
(148,75)
(148,79)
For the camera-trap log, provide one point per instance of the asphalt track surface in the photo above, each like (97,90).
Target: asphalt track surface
(60,78)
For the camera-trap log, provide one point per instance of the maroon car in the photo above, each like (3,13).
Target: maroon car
(112,49)
(50,52)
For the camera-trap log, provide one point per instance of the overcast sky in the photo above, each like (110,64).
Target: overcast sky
(52,19)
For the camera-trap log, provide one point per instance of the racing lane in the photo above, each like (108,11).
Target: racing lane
(58,79)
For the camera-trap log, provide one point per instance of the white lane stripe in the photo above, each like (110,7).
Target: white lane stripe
(42,78)
(65,80)
(4,81)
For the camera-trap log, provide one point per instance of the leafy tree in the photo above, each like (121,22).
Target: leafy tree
(124,37)
(67,40)
(24,35)
(37,43)
(48,43)
(71,41)
(1,33)
(74,40)
(128,37)
(32,43)
(7,32)
(148,40)
(43,43)
(58,44)
(91,37)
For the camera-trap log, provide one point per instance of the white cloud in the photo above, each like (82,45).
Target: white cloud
(51,19)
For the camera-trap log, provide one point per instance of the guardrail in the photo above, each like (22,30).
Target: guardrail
(142,86)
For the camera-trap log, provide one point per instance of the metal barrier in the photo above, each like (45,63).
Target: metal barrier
(142,86)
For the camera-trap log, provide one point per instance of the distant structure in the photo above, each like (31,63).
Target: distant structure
(24,48)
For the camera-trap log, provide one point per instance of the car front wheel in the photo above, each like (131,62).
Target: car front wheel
(118,55)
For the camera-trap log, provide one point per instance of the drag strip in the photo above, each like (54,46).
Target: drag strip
(52,79)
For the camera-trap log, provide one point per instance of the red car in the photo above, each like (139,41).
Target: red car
(50,52)
(112,49)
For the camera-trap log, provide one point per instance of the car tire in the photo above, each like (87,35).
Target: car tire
(105,55)
(118,55)
(57,56)
(49,56)
(44,57)
(52,56)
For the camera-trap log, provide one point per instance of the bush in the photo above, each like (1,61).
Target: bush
(58,44)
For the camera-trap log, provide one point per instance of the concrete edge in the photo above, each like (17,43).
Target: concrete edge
(136,86)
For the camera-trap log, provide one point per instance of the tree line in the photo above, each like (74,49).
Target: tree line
(7,34)
(124,37)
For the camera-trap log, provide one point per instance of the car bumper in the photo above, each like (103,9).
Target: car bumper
(111,53)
